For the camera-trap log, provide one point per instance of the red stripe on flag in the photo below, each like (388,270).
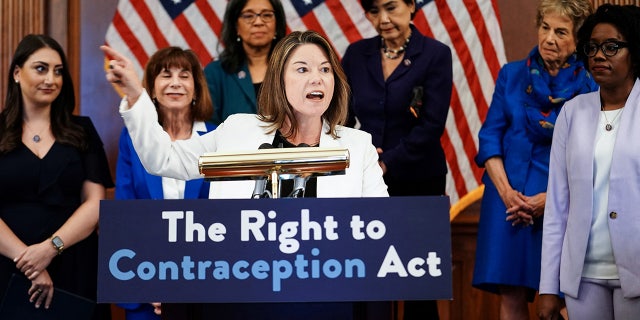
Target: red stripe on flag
(147,18)
(464,55)
(192,38)
(488,49)
(494,4)
(462,125)
(343,19)
(420,21)
(210,17)
(130,39)
(311,22)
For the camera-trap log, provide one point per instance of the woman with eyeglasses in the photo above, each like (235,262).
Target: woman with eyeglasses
(514,148)
(250,31)
(590,246)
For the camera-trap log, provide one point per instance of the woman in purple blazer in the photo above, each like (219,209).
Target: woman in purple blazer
(591,234)
(401,83)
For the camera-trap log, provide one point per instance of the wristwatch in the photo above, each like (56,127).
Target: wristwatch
(57,244)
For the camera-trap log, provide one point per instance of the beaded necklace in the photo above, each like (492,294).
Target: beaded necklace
(391,53)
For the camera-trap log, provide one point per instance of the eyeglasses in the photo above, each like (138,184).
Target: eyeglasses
(249,16)
(609,48)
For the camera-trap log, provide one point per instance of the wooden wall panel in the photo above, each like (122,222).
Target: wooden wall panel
(17,19)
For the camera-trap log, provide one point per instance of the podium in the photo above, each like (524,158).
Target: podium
(275,250)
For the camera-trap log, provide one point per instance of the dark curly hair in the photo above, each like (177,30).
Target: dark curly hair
(626,19)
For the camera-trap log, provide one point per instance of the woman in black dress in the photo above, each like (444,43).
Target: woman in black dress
(53,173)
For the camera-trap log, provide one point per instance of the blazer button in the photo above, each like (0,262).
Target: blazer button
(613,214)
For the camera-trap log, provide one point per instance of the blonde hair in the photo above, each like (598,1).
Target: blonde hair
(576,10)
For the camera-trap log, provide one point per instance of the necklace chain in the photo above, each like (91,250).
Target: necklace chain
(393,53)
(609,125)
(36,137)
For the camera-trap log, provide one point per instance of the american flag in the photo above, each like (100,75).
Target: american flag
(471,28)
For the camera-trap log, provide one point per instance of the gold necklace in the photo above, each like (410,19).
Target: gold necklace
(36,138)
(396,52)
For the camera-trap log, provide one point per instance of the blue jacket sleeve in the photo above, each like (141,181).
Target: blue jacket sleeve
(492,132)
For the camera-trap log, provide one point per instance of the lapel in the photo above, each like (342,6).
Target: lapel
(416,42)
(372,53)
(627,138)
(243,79)
(329,186)
(154,183)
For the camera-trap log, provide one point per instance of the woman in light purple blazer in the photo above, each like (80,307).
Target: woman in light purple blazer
(591,233)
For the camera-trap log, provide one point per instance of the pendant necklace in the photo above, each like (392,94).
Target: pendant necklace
(393,53)
(36,138)
(609,125)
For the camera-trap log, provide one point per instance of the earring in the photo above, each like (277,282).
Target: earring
(275,36)
(238,39)
(193,102)
(17,81)
(155,101)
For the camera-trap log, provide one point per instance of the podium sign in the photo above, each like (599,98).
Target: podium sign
(275,250)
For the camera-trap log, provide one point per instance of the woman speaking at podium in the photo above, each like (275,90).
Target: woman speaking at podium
(303,101)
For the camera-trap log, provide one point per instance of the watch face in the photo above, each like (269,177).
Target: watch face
(57,242)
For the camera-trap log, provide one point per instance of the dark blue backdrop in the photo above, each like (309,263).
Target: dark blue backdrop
(390,263)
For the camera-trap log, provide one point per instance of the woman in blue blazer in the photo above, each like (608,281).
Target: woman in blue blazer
(514,147)
(175,81)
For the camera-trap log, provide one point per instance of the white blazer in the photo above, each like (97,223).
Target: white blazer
(245,132)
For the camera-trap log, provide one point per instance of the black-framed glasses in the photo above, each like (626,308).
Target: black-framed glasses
(250,16)
(609,48)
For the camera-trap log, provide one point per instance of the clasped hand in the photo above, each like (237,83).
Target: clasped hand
(521,209)
(35,258)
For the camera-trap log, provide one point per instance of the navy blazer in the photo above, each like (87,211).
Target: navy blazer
(411,145)
(134,182)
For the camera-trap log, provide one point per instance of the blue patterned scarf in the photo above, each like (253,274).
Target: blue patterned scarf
(547,94)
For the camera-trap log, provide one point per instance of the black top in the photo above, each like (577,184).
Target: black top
(286,186)
(37,196)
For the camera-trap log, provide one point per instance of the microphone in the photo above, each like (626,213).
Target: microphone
(299,185)
(261,183)
(299,182)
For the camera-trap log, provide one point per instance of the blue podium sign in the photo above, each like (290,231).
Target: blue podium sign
(275,250)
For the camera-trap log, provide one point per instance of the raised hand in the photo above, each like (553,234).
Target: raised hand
(122,74)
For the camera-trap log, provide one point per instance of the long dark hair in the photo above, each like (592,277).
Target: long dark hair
(63,129)
(233,55)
